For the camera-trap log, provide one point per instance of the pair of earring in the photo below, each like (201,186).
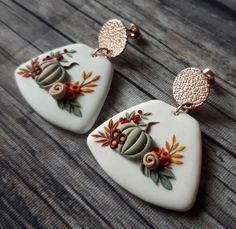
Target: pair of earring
(153,150)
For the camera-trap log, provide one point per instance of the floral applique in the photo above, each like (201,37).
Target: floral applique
(129,136)
(157,163)
(73,90)
(113,136)
(50,74)
(136,117)
(31,70)
(59,56)
(108,135)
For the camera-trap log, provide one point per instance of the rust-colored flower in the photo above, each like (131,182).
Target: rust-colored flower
(68,85)
(164,156)
(31,70)
(70,95)
(71,87)
(74,88)
(164,159)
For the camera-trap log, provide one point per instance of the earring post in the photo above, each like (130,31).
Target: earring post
(210,75)
(134,32)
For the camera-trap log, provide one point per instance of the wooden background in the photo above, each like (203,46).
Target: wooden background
(48,177)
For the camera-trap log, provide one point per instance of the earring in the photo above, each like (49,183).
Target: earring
(68,86)
(153,150)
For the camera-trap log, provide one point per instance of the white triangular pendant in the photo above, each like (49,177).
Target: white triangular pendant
(81,83)
(169,175)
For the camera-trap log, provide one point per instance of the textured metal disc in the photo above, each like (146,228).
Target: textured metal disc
(113,36)
(191,85)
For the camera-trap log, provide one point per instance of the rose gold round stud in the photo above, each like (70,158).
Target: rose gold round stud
(113,36)
(192,86)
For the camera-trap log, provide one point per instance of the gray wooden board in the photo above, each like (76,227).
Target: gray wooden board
(48,178)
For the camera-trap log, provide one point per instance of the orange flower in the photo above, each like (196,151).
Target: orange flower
(67,85)
(74,88)
(164,157)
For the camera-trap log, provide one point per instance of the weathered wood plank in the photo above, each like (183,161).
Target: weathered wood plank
(54,181)
(228,5)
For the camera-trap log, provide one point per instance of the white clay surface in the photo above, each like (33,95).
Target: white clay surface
(128,173)
(91,103)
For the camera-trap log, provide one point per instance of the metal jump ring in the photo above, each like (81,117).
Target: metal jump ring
(98,51)
(182,108)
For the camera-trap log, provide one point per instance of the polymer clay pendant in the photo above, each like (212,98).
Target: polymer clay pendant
(68,86)
(153,150)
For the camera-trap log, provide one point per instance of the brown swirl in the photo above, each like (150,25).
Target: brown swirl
(58,91)
(151,160)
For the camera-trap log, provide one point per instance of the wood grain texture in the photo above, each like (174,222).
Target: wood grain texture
(48,178)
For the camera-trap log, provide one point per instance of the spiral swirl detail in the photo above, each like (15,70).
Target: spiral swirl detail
(57,91)
(151,160)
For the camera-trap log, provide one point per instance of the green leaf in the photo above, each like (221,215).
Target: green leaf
(67,107)
(146,114)
(68,54)
(127,115)
(145,118)
(140,123)
(64,60)
(77,112)
(52,54)
(60,103)
(142,167)
(166,172)
(71,109)
(166,182)
(132,114)
(154,176)
(75,104)
(148,172)
(72,51)
(145,170)
(70,106)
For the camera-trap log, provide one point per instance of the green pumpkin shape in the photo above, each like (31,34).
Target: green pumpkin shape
(52,72)
(137,144)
